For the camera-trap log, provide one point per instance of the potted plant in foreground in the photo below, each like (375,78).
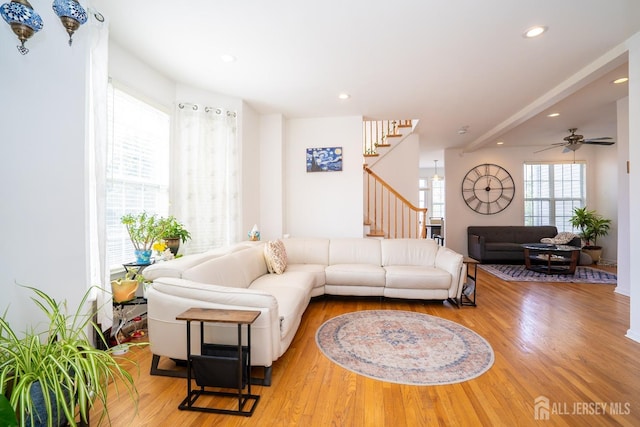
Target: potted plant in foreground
(174,233)
(7,414)
(144,230)
(591,225)
(51,376)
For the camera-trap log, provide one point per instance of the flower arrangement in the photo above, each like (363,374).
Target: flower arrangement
(160,246)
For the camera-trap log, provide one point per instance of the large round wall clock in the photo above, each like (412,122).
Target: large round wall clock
(488,189)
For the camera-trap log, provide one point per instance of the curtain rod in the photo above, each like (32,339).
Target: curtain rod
(195,107)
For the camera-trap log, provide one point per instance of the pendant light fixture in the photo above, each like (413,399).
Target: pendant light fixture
(436,177)
(71,14)
(24,21)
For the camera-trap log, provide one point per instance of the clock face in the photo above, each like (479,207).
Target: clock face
(488,189)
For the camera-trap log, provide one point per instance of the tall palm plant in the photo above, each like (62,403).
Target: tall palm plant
(591,225)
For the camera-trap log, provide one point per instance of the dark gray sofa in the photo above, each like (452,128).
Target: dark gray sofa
(502,244)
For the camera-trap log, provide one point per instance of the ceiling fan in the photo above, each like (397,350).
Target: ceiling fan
(573,142)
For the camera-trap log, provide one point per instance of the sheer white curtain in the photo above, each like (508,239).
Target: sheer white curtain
(205,176)
(96,161)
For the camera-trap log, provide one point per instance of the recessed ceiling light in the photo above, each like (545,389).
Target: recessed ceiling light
(553,115)
(535,31)
(621,80)
(500,143)
(227,58)
(344,96)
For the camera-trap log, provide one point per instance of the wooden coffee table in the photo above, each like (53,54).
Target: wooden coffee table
(551,259)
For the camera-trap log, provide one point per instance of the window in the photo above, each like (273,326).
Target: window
(437,198)
(137,167)
(436,203)
(551,191)
(423,193)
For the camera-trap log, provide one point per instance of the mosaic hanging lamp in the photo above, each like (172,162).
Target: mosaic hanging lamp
(24,21)
(71,14)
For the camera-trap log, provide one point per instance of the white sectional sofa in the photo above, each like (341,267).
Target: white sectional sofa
(238,278)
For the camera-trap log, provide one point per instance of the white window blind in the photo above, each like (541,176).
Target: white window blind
(432,197)
(437,198)
(137,167)
(552,191)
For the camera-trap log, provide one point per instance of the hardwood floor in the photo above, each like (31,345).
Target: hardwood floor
(565,342)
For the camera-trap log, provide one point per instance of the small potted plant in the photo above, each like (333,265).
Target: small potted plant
(52,373)
(144,230)
(591,225)
(174,233)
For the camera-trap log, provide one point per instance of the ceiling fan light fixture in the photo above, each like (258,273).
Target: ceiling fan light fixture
(463,129)
(535,31)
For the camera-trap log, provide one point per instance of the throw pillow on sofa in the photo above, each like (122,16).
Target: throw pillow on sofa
(561,239)
(275,256)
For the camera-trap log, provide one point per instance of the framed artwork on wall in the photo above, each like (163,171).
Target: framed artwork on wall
(326,159)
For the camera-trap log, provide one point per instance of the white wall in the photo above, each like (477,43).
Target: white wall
(42,147)
(139,79)
(624,239)
(251,152)
(605,195)
(459,216)
(400,167)
(634,183)
(324,204)
(272,176)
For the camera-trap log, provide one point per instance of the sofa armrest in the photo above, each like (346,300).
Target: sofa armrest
(475,246)
(451,262)
(168,297)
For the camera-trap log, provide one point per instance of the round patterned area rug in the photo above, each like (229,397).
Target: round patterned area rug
(404,347)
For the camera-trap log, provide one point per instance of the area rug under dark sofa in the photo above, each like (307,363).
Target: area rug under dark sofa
(518,273)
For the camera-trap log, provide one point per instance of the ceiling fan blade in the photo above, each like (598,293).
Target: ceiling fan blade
(550,148)
(591,141)
(603,138)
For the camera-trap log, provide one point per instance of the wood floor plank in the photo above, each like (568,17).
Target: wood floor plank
(564,341)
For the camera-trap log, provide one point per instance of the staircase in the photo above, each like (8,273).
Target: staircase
(387,213)
(379,133)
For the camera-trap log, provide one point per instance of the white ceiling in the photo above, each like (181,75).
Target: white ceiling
(447,63)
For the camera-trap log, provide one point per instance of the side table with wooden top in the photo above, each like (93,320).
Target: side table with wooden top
(468,293)
(221,366)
